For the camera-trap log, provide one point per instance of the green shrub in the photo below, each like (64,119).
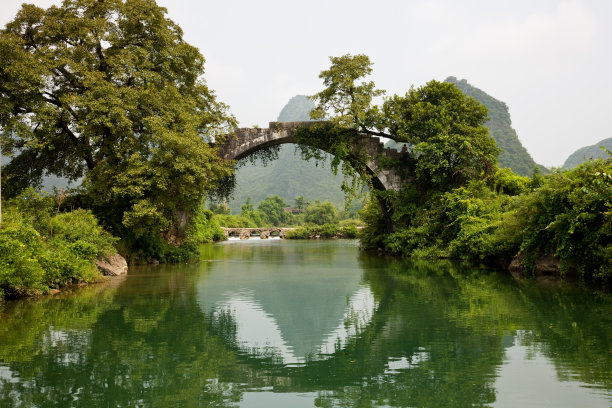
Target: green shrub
(349,231)
(321,213)
(350,222)
(66,263)
(507,182)
(313,231)
(234,221)
(302,232)
(154,248)
(20,271)
(328,230)
(203,228)
(570,215)
(39,250)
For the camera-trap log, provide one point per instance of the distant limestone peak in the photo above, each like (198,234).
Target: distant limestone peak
(297,109)
(513,154)
(587,153)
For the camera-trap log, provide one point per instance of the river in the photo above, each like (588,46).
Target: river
(279,323)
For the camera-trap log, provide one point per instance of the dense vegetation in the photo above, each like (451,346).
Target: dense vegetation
(273,211)
(42,248)
(455,201)
(588,152)
(111,92)
(513,154)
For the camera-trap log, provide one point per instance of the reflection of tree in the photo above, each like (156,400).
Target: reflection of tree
(273,251)
(154,349)
(416,316)
(573,328)
(435,339)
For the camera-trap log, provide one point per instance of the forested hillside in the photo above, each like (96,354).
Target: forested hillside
(513,154)
(588,152)
(289,176)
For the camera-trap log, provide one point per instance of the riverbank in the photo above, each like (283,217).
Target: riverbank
(350,326)
(42,250)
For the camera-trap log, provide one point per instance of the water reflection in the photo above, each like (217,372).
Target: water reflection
(284,304)
(257,327)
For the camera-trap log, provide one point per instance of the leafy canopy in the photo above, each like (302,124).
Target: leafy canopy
(109,90)
(444,128)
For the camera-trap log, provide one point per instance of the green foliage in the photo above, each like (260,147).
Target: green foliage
(249,212)
(35,207)
(349,231)
(20,270)
(220,208)
(512,153)
(40,250)
(446,131)
(374,231)
(320,213)
(204,228)
(80,228)
(567,214)
(314,231)
(111,91)
(273,213)
(347,103)
(570,216)
(505,181)
(235,221)
(301,203)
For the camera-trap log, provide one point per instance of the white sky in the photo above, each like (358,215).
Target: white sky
(549,60)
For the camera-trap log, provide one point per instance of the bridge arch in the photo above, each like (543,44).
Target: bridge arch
(246,141)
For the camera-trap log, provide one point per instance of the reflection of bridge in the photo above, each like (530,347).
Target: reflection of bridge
(246,141)
(263,233)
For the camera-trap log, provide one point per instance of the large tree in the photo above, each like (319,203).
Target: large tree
(444,128)
(109,90)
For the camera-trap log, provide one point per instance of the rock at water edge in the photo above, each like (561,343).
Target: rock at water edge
(113,265)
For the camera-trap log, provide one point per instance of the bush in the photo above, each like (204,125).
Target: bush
(570,215)
(39,251)
(350,231)
(80,227)
(303,232)
(234,221)
(204,228)
(313,231)
(63,263)
(567,213)
(321,213)
(507,182)
(20,271)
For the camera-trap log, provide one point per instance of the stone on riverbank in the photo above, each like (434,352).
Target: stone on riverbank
(546,265)
(114,265)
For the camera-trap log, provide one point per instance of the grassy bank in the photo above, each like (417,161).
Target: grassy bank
(567,214)
(42,248)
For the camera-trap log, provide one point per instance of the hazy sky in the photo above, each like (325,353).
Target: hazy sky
(549,60)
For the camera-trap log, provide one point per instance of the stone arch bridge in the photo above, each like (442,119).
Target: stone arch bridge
(246,141)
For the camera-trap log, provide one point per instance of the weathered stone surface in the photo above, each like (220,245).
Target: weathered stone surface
(263,233)
(545,265)
(114,265)
(246,141)
(548,265)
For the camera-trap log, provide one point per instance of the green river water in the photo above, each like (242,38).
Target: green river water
(275,323)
